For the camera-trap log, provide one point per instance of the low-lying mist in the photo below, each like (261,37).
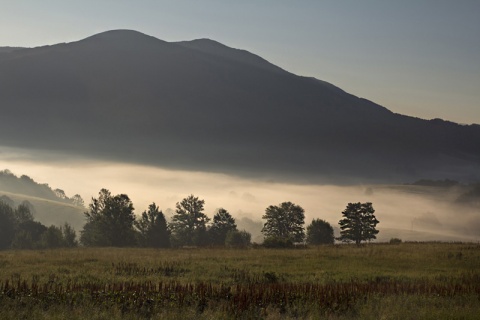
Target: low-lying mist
(406,212)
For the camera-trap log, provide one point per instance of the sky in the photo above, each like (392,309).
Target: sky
(419,58)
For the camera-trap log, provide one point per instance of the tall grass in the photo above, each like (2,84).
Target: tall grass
(321,282)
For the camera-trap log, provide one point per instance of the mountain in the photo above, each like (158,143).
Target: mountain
(199,105)
(9,49)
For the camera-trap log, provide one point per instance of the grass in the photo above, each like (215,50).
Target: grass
(377,281)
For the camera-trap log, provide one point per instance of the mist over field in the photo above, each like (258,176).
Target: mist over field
(408,212)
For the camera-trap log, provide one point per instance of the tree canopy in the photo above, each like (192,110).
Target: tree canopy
(152,228)
(320,232)
(223,222)
(358,223)
(284,221)
(189,223)
(109,221)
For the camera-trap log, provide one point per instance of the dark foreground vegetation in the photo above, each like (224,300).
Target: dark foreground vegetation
(376,281)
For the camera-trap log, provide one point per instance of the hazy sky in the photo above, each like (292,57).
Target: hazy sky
(416,57)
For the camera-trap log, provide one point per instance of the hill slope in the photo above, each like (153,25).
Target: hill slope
(200,105)
(50,212)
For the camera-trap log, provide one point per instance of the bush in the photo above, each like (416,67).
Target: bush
(275,242)
(395,241)
(238,239)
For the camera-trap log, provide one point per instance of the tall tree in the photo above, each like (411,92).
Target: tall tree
(284,222)
(320,232)
(109,221)
(189,222)
(358,223)
(223,222)
(152,228)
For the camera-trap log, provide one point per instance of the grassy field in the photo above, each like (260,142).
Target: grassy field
(376,281)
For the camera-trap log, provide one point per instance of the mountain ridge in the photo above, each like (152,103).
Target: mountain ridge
(200,105)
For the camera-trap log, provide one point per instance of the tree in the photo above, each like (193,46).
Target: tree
(7,225)
(28,235)
(320,232)
(69,236)
(189,222)
(109,221)
(59,193)
(359,223)
(23,212)
(27,232)
(52,238)
(5,199)
(77,201)
(285,221)
(152,228)
(223,223)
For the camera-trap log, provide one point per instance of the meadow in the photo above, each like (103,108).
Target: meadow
(374,281)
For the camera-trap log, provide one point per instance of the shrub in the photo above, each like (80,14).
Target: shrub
(395,241)
(276,242)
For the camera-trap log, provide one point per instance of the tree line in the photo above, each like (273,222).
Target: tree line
(19,230)
(26,185)
(110,221)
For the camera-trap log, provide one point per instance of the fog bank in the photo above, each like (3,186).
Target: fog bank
(408,212)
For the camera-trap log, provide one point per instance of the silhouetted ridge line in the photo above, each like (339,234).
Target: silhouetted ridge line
(199,105)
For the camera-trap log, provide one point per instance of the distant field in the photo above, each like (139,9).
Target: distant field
(377,281)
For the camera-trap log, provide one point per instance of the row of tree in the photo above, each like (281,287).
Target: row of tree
(26,185)
(111,222)
(284,225)
(19,230)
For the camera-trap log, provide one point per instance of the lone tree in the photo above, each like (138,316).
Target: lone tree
(223,222)
(189,223)
(359,223)
(109,221)
(320,232)
(152,228)
(284,222)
